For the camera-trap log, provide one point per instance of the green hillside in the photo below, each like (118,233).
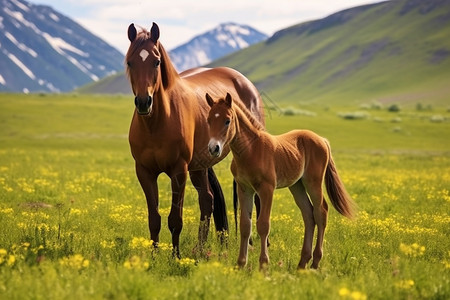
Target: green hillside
(389,52)
(114,84)
(396,51)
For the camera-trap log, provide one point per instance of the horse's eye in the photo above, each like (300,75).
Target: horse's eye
(227,122)
(128,64)
(157,63)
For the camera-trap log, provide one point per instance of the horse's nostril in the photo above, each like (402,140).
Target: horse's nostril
(216,149)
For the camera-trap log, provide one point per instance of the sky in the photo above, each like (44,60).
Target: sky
(181,20)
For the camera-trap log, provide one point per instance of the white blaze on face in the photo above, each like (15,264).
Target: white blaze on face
(144,54)
(217,115)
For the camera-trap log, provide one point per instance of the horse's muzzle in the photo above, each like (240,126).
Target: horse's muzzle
(214,148)
(143,106)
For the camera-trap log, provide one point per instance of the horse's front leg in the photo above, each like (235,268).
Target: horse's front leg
(175,220)
(245,224)
(149,185)
(263,223)
(199,179)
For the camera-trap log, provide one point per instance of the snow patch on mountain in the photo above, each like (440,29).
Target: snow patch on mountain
(220,41)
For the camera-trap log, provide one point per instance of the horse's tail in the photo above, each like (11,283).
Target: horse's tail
(220,209)
(337,193)
(235,204)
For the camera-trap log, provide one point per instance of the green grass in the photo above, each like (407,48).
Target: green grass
(73,217)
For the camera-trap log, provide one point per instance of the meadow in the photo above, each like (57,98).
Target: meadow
(73,221)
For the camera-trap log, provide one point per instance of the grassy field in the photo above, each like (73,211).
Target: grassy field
(73,217)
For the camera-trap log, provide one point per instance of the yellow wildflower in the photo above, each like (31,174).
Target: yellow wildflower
(405,284)
(107,245)
(5,258)
(412,250)
(136,263)
(344,292)
(6,210)
(354,295)
(374,244)
(186,261)
(76,261)
(140,243)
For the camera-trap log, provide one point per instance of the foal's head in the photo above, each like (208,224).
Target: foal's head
(221,124)
(143,61)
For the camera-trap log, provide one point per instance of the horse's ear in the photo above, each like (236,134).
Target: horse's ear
(154,32)
(132,32)
(209,100)
(228,100)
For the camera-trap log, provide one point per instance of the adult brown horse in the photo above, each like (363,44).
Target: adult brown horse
(169,133)
(299,159)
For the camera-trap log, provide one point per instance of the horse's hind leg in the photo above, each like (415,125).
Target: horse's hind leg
(320,211)
(205,197)
(258,210)
(303,202)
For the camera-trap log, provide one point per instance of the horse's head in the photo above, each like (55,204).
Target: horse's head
(143,61)
(221,124)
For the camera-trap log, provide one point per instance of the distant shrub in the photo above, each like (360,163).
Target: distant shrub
(437,118)
(378,120)
(394,108)
(374,105)
(365,106)
(357,115)
(421,107)
(290,111)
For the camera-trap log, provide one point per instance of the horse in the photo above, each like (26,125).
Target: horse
(168,132)
(300,160)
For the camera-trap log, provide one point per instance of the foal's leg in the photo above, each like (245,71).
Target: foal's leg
(314,189)
(303,202)
(246,206)
(149,185)
(205,198)
(263,222)
(175,220)
(258,210)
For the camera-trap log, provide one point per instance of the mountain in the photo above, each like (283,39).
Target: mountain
(218,42)
(43,50)
(395,51)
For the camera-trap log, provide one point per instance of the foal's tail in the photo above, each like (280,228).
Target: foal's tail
(337,193)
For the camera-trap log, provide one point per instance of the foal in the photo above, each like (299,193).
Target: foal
(299,159)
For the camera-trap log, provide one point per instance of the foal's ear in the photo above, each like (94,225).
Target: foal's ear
(154,32)
(209,100)
(228,99)
(132,32)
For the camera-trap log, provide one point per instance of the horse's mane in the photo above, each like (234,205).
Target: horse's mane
(248,118)
(168,72)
